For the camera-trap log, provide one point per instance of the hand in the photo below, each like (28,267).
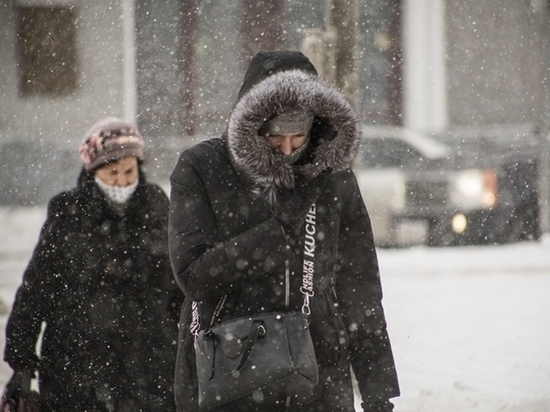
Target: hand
(14,386)
(293,205)
(18,395)
(377,406)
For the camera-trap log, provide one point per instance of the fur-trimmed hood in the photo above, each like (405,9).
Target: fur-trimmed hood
(335,134)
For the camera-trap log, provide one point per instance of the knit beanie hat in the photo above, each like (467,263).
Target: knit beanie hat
(109,140)
(287,122)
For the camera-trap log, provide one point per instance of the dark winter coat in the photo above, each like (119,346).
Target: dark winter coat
(101,283)
(224,239)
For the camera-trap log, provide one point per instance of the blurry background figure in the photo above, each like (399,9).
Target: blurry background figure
(100,282)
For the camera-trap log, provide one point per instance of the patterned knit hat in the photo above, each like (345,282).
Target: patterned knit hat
(109,140)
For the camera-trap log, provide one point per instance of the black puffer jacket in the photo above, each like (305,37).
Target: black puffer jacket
(102,284)
(224,239)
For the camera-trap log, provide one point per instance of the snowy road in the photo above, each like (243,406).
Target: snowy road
(470,327)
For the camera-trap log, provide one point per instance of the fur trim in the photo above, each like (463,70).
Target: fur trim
(290,90)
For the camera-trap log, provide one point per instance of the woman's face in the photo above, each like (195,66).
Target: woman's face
(286,143)
(123,172)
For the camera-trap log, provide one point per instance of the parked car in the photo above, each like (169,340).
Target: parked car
(467,186)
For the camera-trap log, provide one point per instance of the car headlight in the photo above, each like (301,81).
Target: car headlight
(475,188)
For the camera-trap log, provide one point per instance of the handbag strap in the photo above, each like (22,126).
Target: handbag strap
(255,329)
(308,268)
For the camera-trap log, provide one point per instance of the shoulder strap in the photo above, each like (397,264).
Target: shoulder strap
(308,269)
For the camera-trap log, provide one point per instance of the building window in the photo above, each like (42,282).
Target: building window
(47,50)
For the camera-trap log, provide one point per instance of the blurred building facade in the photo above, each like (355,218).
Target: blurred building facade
(175,67)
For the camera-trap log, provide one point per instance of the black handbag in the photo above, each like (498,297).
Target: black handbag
(269,352)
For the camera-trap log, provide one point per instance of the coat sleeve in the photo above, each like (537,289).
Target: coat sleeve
(359,293)
(207,266)
(150,250)
(36,294)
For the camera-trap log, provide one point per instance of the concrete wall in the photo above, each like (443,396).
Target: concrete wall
(494,59)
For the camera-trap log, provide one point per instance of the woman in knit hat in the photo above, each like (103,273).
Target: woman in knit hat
(100,282)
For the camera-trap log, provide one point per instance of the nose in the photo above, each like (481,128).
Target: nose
(286,145)
(121,180)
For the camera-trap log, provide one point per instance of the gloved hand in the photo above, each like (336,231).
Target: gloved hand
(293,205)
(14,386)
(18,395)
(377,406)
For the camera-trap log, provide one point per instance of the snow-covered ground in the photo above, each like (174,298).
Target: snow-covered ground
(470,327)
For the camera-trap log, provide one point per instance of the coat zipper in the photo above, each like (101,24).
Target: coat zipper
(287,304)
(287,284)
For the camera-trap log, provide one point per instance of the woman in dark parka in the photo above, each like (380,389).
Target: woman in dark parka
(100,281)
(237,212)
